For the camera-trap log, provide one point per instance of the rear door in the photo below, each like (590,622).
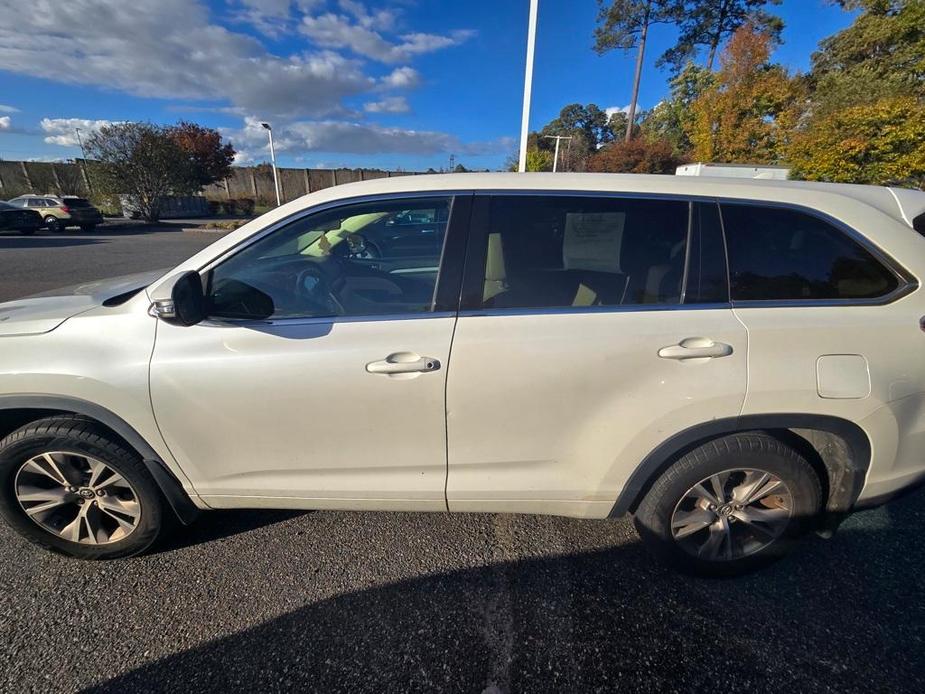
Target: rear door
(592,329)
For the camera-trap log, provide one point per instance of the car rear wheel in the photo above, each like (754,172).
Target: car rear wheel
(730,506)
(68,487)
(53,224)
(87,228)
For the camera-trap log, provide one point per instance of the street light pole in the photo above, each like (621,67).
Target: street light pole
(558,139)
(528,86)
(273,159)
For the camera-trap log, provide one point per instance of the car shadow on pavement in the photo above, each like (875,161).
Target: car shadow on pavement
(602,620)
(220,525)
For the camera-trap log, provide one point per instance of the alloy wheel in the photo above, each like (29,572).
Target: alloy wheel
(77,497)
(732,514)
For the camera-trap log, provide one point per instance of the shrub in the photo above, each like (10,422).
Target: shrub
(640,155)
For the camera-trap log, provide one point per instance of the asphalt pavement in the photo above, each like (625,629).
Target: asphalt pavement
(394,602)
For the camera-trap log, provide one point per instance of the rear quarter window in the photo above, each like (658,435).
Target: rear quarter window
(780,254)
(919,224)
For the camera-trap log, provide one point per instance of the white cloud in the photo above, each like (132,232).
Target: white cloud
(169,49)
(339,31)
(611,110)
(63,131)
(270,17)
(346,137)
(5,123)
(391,104)
(8,109)
(402,78)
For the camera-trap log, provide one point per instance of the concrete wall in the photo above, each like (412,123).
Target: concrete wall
(253,182)
(256,182)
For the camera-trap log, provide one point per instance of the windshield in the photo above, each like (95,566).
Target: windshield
(7,206)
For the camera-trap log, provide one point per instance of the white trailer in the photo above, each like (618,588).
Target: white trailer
(776,173)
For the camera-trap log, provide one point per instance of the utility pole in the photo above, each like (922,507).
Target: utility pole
(558,139)
(528,86)
(83,161)
(273,159)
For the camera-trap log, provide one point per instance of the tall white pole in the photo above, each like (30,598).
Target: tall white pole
(275,172)
(555,160)
(528,86)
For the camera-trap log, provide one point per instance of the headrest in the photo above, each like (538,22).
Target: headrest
(592,241)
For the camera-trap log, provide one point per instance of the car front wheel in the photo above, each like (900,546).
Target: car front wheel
(27,231)
(730,506)
(68,487)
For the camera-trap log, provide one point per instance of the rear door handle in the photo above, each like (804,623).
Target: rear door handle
(403,363)
(696,348)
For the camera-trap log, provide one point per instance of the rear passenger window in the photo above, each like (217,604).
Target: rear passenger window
(781,254)
(552,252)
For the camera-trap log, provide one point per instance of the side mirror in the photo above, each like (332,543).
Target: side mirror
(180,300)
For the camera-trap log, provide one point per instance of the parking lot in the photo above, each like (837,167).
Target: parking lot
(327,601)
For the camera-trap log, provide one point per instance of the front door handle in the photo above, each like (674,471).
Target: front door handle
(403,363)
(696,348)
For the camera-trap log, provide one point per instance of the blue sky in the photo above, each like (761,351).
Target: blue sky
(385,83)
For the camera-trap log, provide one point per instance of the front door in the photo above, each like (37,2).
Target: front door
(319,376)
(593,329)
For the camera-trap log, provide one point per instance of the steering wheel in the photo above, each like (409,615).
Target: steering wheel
(312,284)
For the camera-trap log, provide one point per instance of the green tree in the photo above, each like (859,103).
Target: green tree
(881,143)
(881,55)
(624,25)
(537,160)
(211,158)
(589,128)
(672,119)
(589,121)
(705,24)
(143,161)
(750,111)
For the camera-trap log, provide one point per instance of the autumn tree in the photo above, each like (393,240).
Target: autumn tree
(624,25)
(881,143)
(747,114)
(639,155)
(211,158)
(705,24)
(143,161)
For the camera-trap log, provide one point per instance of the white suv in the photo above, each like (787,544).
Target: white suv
(732,362)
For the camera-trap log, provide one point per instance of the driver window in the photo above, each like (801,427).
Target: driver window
(356,260)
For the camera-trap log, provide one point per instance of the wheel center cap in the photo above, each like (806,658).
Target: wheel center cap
(86,493)
(726,510)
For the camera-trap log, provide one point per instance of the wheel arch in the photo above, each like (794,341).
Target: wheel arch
(839,449)
(18,410)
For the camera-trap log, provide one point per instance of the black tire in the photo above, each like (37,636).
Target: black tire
(78,435)
(87,228)
(748,450)
(28,231)
(53,224)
